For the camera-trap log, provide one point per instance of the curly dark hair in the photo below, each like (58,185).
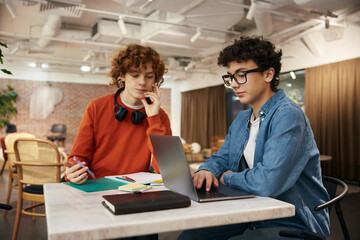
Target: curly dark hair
(134,57)
(255,48)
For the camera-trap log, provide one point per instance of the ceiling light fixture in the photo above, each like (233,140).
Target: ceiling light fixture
(87,56)
(32,64)
(122,25)
(292,74)
(119,40)
(196,35)
(11,10)
(15,49)
(252,9)
(190,66)
(85,68)
(327,23)
(44,65)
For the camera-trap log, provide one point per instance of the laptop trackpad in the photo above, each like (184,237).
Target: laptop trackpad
(228,191)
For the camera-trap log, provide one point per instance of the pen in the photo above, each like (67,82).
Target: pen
(82,165)
(126,178)
(130,179)
(155,183)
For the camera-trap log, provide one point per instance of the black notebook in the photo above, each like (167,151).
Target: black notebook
(144,202)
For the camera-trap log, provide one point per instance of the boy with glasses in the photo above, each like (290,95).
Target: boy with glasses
(269,150)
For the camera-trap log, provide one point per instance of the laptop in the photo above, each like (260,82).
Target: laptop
(176,174)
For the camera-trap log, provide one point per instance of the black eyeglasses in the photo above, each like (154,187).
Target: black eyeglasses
(239,76)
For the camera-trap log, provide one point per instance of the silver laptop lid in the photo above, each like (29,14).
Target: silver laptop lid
(173,165)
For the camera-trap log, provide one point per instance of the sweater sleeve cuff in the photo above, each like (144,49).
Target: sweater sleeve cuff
(154,119)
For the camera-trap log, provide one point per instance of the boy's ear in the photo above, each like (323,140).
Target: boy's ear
(121,78)
(269,74)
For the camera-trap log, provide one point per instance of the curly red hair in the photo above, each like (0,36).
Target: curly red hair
(134,57)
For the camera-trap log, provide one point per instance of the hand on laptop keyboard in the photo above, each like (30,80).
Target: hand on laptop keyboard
(208,177)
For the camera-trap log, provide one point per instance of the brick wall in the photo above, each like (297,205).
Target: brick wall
(69,111)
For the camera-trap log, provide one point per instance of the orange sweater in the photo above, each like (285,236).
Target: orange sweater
(112,147)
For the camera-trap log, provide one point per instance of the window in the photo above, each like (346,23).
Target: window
(233,106)
(293,84)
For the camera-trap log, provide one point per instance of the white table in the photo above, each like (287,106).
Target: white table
(73,214)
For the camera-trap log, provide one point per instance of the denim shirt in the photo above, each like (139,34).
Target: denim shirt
(286,163)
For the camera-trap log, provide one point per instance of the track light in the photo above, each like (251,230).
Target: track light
(196,35)
(32,64)
(11,10)
(85,68)
(15,49)
(45,66)
(87,56)
(119,40)
(190,66)
(327,23)
(122,25)
(252,9)
(292,74)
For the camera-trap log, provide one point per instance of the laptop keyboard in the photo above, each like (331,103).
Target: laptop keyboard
(213,193)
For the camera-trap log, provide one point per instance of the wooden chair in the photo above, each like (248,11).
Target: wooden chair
(38,163)
(331,184)
(63,158)
(3,147)
(9,144)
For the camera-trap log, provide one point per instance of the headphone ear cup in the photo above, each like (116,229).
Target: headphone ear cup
(120,114)
(137,117)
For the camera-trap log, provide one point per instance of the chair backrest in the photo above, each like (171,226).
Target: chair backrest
(3,147)
(37,160)
(331,184)
(9,143)
(63,158)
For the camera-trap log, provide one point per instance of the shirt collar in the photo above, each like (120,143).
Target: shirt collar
(279,94)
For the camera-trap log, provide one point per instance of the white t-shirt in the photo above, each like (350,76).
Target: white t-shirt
(249,150)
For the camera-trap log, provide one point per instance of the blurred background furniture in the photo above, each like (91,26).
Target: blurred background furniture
(331,184)
(216,142)
(10,128)
(58,137)
(9,146)
(5,206)
(63,158)
(4,154)
(38,163)
(325,158)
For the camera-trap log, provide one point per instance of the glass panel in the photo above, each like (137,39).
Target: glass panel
(293,84)
(233,106)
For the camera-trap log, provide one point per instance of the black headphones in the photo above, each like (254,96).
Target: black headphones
(120,112)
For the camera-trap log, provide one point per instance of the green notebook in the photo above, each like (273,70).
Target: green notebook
(97,185)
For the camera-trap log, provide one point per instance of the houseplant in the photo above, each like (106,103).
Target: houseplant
(7,96)
(1,59)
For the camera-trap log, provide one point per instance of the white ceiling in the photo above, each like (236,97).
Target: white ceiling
(66,34)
